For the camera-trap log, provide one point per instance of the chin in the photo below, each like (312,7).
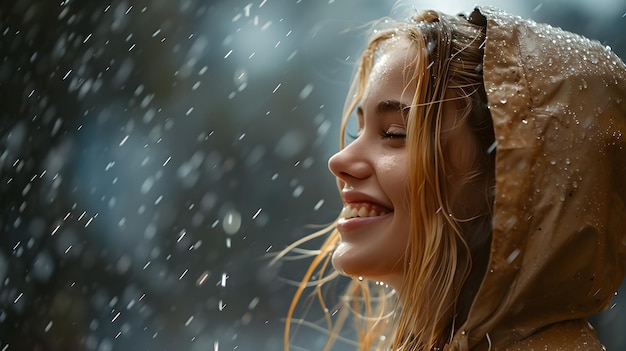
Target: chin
(351,262)
(340,261)
(354,263)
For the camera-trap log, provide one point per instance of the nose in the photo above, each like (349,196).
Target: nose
(350,164)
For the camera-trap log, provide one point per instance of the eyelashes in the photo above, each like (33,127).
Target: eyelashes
(391,133)
(394,135)
(395,131)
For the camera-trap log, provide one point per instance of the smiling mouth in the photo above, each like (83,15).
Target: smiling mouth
(362,211)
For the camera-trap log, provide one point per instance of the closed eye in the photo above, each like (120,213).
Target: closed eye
(394,131)
(390,135)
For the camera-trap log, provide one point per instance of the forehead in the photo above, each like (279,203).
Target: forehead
(394,49)
(393,71)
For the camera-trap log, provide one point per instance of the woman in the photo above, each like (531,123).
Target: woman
(486,186)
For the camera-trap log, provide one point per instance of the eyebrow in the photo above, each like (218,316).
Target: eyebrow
(386,106)
(390,106)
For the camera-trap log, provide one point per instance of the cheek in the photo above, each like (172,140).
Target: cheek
(393,167)
(395,181)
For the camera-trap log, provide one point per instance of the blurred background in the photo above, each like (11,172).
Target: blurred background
(153,153)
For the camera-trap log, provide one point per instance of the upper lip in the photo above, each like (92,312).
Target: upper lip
(352,197)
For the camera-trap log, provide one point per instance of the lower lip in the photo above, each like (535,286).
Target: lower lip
(345,225)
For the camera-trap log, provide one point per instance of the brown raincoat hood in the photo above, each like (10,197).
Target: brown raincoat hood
(558,253)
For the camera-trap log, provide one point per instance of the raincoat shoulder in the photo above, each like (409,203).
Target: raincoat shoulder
(558,252)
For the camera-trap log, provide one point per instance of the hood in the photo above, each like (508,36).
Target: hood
(558,252)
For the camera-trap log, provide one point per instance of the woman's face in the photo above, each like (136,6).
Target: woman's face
(372,171)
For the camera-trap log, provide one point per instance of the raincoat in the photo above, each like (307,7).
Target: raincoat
(558,251)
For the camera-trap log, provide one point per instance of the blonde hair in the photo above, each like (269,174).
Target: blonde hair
(442,249)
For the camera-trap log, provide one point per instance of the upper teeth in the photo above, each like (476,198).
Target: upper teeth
(350,211)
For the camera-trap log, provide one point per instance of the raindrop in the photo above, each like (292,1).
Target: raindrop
(181,235)
(123,264)
(290,144)
(306,91)
(266,25)
(323,128)
(513,255)
(492,147)
(147,185)
(298,191)
(511,222)
(318,205)
(18,297)
(203,278)
(240,79)
(189,320)
(56,127)
(43,266)
(166,161)
(231,222)
(246,10)
(253,303)
(292,55)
